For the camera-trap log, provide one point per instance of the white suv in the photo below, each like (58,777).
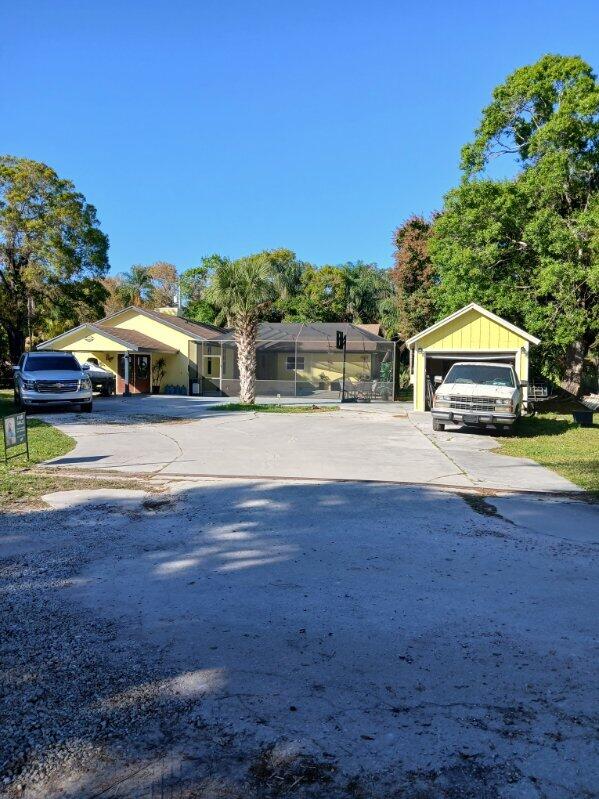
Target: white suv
(477,394)
(44,378)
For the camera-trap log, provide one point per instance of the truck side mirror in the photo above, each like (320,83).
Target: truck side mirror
(16,368)
(85,367)
(438,380)
(524,383)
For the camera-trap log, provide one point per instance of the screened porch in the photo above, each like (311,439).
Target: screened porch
(299,360)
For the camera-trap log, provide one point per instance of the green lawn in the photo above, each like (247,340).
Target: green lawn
(266,408)
(45,441)
(555,441)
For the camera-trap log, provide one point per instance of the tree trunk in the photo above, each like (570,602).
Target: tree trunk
(572,379)
(245,336)
(16,342)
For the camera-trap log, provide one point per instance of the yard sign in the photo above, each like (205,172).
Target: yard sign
(15,434)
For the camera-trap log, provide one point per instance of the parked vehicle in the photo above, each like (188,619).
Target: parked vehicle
(102,380)
(478,394)
(45,378)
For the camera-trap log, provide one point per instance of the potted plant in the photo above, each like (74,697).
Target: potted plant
(158,372)
(323,381)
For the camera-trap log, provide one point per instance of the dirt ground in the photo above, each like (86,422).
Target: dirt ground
(238,638)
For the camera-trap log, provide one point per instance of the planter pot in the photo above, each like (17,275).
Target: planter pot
(583,418)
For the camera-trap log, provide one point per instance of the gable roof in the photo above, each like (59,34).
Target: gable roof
(134,339)
(483,311)
(127,338)
(197,330)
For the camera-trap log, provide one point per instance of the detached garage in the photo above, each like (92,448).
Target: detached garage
(470,334)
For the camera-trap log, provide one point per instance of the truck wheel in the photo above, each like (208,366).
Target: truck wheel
(438,426)
(86,407)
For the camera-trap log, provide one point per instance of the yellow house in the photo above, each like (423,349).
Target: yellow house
(140,347)
(293,359)
(470,334)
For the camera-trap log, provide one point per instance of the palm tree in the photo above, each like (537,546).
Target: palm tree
(243,290)
(137,286)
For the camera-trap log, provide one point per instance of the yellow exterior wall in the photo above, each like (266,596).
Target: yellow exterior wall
(176,365)
(131,319)
(315,364)
(82,341)
(470,333)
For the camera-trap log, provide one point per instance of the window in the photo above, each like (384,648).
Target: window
(293,363)
(51,363)
(481,374)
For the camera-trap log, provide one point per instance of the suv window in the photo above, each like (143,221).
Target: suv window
(51,363)
(481,375)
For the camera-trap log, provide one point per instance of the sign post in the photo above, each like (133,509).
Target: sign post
(341,344)
(15,435)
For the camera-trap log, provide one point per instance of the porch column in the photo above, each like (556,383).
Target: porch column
(126,374)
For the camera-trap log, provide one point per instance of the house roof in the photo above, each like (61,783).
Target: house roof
(134,339)
(371,328)
(127,338)
(483,311)
(196,330)
(310,332)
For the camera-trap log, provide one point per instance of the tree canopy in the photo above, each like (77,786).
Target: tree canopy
(414,277)
(527,246)
(52,252)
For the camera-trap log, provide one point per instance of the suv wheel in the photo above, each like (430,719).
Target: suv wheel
(86,407)
(438,426)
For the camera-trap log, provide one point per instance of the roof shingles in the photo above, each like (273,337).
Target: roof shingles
(136,339)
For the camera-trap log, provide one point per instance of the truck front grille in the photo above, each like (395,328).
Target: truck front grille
(56,386)
(473,403)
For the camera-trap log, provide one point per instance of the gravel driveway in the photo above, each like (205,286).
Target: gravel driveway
(238,638)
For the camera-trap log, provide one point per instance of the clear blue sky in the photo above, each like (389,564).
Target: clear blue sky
(230,127)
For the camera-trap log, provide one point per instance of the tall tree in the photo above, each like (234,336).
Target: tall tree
(194,283)
(165,281)
(528,246)
(244,290)
(50,242)
(414,276)
(367,287)
(323,295)
(137,286)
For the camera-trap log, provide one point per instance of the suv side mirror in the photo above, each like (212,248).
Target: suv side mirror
(16,368)
(85,366)
(438,380)
(524,383)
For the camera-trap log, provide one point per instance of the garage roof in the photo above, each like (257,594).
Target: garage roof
(483,311)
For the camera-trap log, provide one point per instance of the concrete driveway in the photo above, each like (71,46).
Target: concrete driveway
(182,436)
(238,639)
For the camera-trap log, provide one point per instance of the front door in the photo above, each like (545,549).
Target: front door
(139,374)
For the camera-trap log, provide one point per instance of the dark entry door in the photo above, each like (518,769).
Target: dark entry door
(139,374)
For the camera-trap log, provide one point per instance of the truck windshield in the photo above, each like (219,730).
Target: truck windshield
(51,363)
(481,375)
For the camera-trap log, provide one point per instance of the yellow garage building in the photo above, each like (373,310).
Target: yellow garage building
(470,334)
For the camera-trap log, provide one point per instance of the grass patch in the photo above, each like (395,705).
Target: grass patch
(45,441)
(268,408)
(556,441)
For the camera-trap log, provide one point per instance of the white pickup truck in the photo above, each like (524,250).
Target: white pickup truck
(478,394)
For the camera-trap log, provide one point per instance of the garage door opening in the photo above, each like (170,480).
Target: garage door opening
(437,365)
